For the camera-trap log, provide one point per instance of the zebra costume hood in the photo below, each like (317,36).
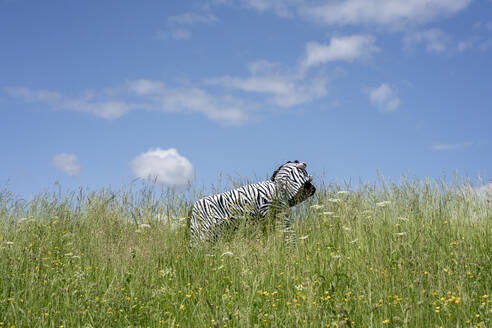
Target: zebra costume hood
(293,182)
(289,185)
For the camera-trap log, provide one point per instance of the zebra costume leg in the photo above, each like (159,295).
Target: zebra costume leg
(289,233)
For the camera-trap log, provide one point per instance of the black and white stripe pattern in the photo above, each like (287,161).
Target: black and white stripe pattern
(289,185)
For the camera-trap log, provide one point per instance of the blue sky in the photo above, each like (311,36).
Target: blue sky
(97,93)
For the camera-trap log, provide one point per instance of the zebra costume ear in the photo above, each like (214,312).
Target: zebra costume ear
(301,165)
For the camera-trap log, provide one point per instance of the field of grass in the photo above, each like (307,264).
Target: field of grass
(411,254)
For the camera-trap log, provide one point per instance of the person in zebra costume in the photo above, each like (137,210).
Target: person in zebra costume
(289,185)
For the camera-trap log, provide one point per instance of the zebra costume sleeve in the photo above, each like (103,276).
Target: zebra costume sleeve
(289,185)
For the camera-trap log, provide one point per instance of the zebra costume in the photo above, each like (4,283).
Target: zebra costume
(289,185)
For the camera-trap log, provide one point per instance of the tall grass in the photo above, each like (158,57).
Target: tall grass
(408,254)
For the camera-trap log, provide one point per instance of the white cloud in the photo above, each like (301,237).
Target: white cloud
(224,109)
(447,146)
(104,109)
(348,48)
(67,163)
(435,40)
(279,7)
(166,166)
(384,98)
(283,91)
(262,67)
(291,87)
(283,8)
(280,86)
(108,109)
(150,95)
(33,96)
(146,87)
(395,13)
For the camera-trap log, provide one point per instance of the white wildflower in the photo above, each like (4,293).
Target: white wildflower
(9,242)
(334,200)
(328,213)
(346,228)
(299,287)
(167,272)
(227,253)
(384,203)
(343,192)
(303,237)
(335,256)
(403,219)
(400,233)
(316,207)
(355,240)
(145,225)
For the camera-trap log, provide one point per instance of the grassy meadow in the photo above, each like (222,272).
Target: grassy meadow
(407,254)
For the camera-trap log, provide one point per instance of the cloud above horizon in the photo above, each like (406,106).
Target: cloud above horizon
(165,166)
(281,90)
(287,87)
(148,95)
(66,163)
(383,97)
(434,40)
(396,14)
(281,86)
(448,146)
(344,48)
(88,103)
